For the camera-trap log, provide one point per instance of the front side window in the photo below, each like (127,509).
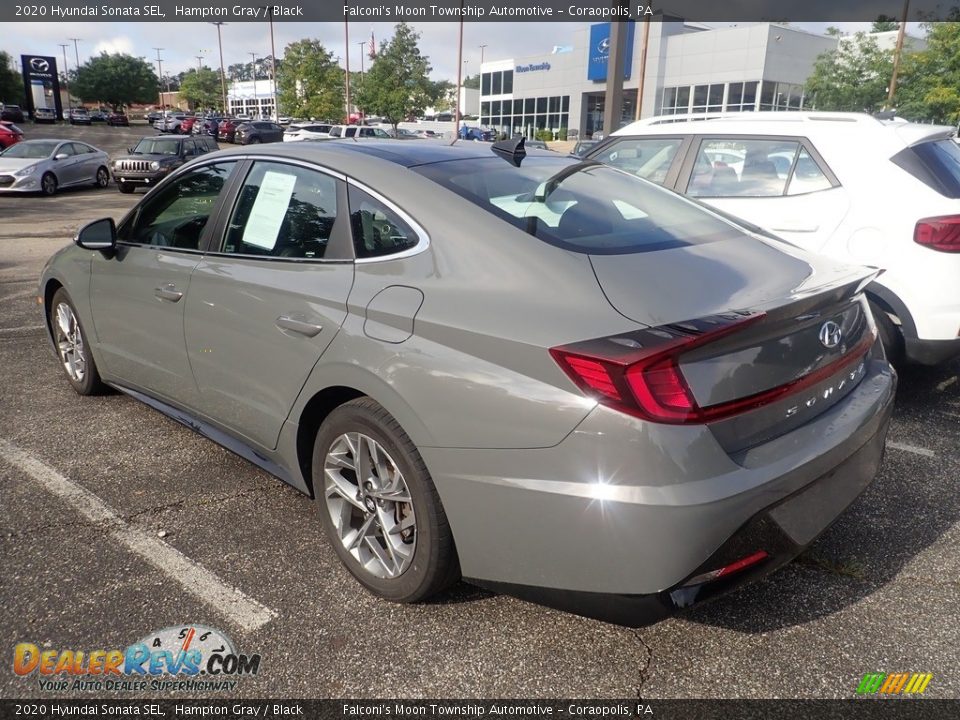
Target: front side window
(649,158)
(177,215)
(283,211)
(581,206)
(377,229)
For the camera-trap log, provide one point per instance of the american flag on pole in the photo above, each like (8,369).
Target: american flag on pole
(373,45)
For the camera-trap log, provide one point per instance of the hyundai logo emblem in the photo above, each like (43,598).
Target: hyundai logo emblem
(603,47)
(830,334)
(39,64)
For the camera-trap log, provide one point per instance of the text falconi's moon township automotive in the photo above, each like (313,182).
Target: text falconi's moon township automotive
(476,11)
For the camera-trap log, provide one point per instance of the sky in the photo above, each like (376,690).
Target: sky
(182,42)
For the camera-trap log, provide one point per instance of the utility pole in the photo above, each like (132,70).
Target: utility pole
(643,66)
(273,68)
(160,71)
(613,102)
(253,67)
(346,47)
(896,55)
(76,51)
(362,44)
(456,92)
(66,77)
(223,76)
(199,62)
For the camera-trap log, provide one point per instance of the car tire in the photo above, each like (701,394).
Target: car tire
(125,188)
(73,350)
(253,141)
(48,184)
(103,177)
(421,559)
(890,335)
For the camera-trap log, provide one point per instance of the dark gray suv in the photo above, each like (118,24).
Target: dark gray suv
(155,157)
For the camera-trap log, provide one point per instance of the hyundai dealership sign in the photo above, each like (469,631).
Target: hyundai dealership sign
(599,51)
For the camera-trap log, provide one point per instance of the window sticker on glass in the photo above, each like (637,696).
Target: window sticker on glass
(269,209)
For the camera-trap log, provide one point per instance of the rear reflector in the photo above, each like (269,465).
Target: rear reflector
(734,567)
(647,381)
(939,233)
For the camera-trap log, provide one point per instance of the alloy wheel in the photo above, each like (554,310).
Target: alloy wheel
(103,178)
(70,343)
(48,184)
(370,505)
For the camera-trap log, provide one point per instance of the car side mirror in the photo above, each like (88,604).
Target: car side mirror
(98,235)
(60,156)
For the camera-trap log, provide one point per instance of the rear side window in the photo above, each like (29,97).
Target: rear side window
(581,206)
(734,167)
(935,164)
(377,229)
(283,211)
(649,158)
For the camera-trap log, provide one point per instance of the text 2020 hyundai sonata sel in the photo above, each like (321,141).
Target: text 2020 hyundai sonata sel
(543,375)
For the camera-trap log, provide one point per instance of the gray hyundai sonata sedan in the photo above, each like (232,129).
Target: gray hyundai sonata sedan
(542,375)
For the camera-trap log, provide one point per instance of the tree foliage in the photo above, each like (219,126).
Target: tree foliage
(202,88)
(929,85)
(397,86)
(853,78)
(472,82)
(117,80)
(884,23)
(309,82)
(11,83)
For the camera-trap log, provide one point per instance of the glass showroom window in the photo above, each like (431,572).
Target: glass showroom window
(485,84)
(507,82)
(496,86)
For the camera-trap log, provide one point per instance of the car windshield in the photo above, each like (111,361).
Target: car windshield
(581,206)
(157,146)
(33,149)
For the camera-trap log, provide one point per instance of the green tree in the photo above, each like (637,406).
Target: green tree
(114,79)
(884,23)
(309,82)
(472,82)
(442,95)
(11,82)
(929,83)
(397,85)
(201,88)
(854,77)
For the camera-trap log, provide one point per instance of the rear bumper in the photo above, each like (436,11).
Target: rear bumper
(614,520)
(931,352)
(783,531)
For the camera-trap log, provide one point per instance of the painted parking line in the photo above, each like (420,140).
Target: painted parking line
(22,294)
(911,449)
(946,383)
(244,611)
(23,329)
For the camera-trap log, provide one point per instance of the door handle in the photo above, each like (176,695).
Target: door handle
(298,325)
(168,292)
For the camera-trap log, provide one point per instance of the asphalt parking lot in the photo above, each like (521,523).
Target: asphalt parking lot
(105,503)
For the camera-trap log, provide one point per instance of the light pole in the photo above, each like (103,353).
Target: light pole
(160,72)
(481,57)
(362,45)
(66,74)
(223,76)
(199,62)
(253,71)
(896,54)
(456,104)
(76,51)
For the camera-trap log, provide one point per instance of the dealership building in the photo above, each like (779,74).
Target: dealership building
(689,68)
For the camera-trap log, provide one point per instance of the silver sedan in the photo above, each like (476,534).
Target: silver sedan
(45,166)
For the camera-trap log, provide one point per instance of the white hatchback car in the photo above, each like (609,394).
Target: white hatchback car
(307,131)
(862,190)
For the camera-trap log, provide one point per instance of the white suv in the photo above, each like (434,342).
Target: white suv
(872,192)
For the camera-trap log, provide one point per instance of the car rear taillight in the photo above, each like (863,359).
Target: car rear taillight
(939,233)
(645,379)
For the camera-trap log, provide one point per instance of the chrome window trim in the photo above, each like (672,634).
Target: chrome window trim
(423,239)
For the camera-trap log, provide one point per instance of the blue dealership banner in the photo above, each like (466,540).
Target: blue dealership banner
(599,50)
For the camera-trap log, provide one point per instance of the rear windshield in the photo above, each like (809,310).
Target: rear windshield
(581,206)
(935,163)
